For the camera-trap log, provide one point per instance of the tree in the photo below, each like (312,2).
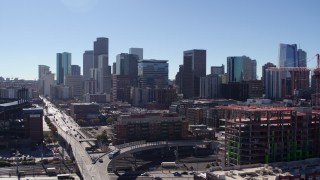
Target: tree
(207,166)
(110,120)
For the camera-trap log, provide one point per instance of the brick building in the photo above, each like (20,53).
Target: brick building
(150,128)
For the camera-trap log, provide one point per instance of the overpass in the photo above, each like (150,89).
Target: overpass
(132,147)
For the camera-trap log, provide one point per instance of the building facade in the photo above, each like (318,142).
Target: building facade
(218,70)
(210,86)
(100,47)
(63,66)
(87,64)
(75,70)
(194,67)
(130,128)
(241,68)
(137,51)
(153,73)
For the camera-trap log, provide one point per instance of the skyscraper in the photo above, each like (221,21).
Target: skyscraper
(302,58)
(217,69)
(87,64)
(43,69)
(137,51)
(241,68)
(264,75)
(153,73)
(75,70)
(194,62)
(127,64)
(104,77)
(100,47)
(46,79)
(63,66)
(288,55)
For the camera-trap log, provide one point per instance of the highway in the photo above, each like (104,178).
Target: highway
(67,129)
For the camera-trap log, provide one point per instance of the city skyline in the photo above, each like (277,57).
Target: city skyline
(35,31)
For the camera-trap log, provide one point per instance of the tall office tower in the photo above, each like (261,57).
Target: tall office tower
(153,73)
(178,80)
(264,69)
(47,81)
(187,87)
(127,64)
(120,88)
(75,83)
(210,86)
(302,58)
(104,77)
(241,68)
(137,51)
(63,66)
(114,68)
(217,69)
(75,70)
(42,70)
(288,55)
(194,68)
(100,47)
(273,83)
(87,64)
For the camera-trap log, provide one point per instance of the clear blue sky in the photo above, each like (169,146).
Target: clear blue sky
(33,31)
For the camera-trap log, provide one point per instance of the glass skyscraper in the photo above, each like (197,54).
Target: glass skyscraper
(241,68)
(288,55)
(63,66)
(153,73)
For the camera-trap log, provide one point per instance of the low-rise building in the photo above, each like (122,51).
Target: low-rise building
(150,128)
(84,111)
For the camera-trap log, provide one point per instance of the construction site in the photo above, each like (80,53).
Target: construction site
(265,134)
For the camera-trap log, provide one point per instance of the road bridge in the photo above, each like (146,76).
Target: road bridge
(133,147)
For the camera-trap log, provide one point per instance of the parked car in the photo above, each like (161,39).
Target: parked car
(145,174)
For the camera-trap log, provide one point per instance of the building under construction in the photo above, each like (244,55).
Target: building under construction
(269,134)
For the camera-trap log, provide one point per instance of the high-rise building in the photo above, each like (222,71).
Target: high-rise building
(273,83)
(43,69)
(46,81)
(75,83)
(120,88)
(153,73)
(264,77)
(288,55)
(178,79)
(241,68)
(87,64)
(127,64)
(114,68)
(210,86)
(75,70)
(104,77)
(218,70)
(137,51)
(100,47)
(63,66)
(194,63)
(302,58)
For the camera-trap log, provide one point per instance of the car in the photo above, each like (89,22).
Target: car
(176,174)
(145,174)
(100,160)
(184,173)
(157,178)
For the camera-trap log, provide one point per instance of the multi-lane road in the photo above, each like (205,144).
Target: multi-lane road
(69,130)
